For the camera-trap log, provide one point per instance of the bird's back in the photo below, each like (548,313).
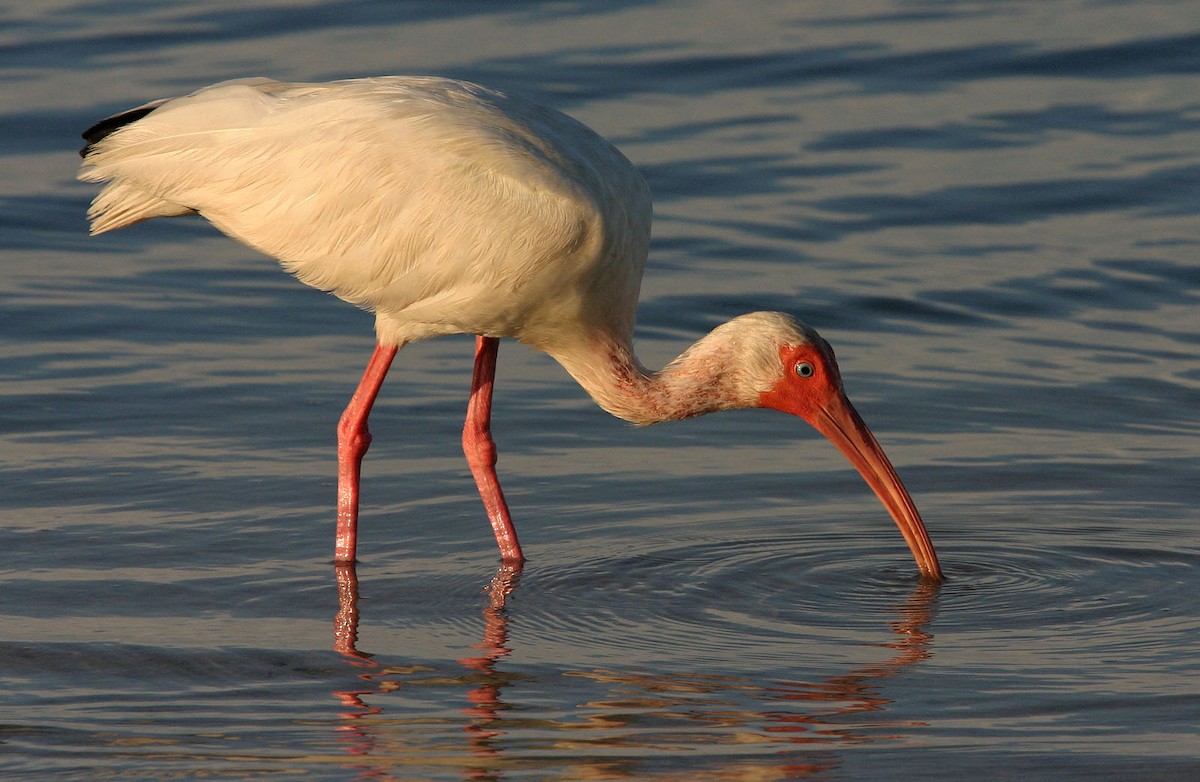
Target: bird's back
(442,206)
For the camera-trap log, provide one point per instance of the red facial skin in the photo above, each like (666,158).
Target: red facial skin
(811,388)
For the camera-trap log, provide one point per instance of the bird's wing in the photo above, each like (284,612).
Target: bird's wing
(392,193)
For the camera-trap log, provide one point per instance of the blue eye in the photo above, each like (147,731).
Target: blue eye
(805,369)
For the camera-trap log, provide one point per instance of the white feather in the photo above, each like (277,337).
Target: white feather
(441,206)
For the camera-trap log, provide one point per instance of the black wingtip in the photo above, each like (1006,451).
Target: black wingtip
(109,124)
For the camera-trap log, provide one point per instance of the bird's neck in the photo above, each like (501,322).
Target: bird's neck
(696,383)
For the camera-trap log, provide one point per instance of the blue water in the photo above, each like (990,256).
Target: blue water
(989,209)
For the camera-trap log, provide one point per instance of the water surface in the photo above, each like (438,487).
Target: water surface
(989,209)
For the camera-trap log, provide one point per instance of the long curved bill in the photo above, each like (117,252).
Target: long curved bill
(844,427)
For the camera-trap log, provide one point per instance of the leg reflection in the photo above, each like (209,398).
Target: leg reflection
(486,709)
(486,682)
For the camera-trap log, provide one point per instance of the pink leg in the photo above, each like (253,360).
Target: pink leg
(353,440)
(481,450)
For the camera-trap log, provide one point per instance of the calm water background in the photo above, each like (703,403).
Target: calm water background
(989,208)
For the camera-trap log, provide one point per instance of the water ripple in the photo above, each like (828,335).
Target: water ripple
(1108,589)
(757,599)
(726,602)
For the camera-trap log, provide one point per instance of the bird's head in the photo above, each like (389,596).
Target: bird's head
(796,372)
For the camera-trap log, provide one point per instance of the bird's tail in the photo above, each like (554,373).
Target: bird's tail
(122,202)
(104,127)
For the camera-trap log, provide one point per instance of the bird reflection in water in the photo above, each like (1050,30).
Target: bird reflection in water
(484,698)
(784,729)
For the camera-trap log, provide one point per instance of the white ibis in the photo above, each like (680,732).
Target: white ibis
(445,207)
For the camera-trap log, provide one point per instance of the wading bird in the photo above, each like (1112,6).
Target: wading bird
(448,208)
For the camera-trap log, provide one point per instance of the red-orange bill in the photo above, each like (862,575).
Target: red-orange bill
(844,427)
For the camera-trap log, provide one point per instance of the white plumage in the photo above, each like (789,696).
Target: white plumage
(387,191)
(445,207)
